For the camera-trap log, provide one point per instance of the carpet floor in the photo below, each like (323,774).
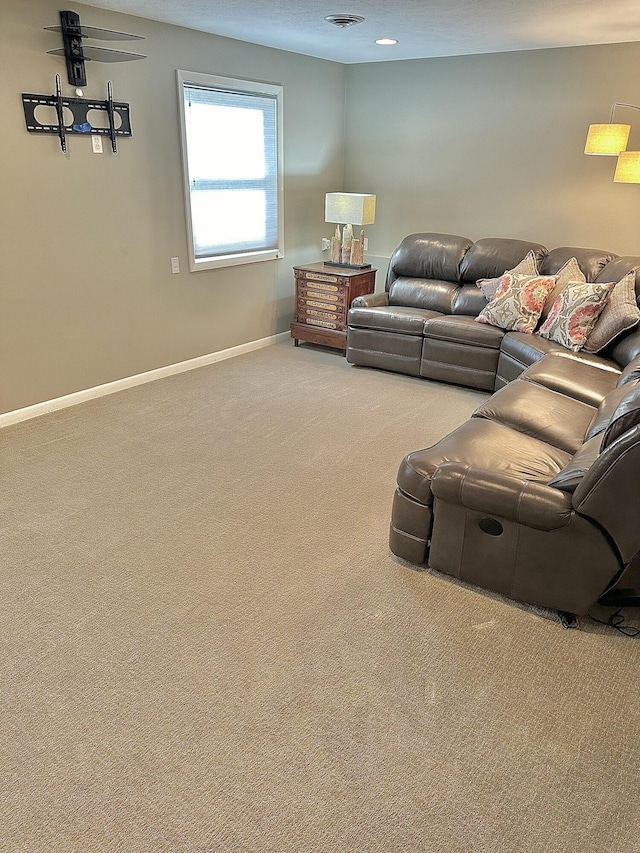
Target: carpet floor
(207,645)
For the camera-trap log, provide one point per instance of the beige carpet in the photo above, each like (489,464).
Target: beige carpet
(207,646)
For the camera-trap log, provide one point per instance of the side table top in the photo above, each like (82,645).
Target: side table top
(320,266)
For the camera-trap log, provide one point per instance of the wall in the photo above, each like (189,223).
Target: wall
(492,145)
(477,145)
(86,293)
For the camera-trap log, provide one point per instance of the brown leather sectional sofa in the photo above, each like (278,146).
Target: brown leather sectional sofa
(537,495)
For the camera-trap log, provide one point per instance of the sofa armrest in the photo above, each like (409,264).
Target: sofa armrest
(371,300)
(496,493)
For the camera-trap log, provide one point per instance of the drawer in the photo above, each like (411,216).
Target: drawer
(308,291)
(314,315)
(319,278)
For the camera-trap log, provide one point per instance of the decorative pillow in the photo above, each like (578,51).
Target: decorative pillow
(619,314)
(527,266)
(574,313)
(569,271)
(518,302)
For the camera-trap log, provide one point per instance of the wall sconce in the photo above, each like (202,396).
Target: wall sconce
(611,140)
(349,209)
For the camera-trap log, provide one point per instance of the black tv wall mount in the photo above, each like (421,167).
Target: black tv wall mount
(79,123)
(76,54)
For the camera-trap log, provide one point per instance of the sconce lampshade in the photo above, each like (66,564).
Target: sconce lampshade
(350,208)
(628,168)
(607,139)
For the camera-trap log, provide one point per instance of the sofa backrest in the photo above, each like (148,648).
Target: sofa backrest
(491,256)
(591,261)
(428,256)
(438,272)
(608,492)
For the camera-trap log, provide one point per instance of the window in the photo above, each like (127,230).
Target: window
(232,156)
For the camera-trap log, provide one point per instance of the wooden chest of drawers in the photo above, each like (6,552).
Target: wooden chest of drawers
(323,296)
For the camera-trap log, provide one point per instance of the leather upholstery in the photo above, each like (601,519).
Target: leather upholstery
(401,319)
(608,493)
(574,377)
(626,415)
(591,261)
(536,495)
(434,295)
(491,256)
(428,256)
(541,413)
(437,272)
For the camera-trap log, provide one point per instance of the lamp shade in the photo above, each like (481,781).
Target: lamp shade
(628,168)
(350,208)
(607,138)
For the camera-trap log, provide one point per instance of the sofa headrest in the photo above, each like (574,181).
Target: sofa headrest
(625,417)
(619,267)
(491,256)
(590,261)
(428,256)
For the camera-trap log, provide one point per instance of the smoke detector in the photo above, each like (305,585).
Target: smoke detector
(344,20)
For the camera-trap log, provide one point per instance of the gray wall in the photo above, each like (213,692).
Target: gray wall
(87,295)
(493,145)
(479,145)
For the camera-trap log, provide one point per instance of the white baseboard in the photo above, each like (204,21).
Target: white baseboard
(19,415)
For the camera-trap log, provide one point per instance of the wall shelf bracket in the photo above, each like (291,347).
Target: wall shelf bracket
(76,54)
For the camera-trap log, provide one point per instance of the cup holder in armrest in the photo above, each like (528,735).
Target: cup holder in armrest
(491,526)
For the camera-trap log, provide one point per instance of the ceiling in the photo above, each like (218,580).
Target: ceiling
(423,29)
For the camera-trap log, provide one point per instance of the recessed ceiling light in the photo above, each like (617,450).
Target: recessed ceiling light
(344,20)
(386,41)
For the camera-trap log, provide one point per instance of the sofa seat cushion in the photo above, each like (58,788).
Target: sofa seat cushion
(396,318)
(584,379)
(431,294)
(486,444)
(457,349)
(539,412)
(463,330)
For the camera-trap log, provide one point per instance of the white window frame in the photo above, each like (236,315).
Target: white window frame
(230,84)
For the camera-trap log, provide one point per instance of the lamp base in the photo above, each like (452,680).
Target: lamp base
(348,266)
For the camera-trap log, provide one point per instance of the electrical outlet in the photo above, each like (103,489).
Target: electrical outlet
(96,143)
(175,265)
(326,244)
(366,244)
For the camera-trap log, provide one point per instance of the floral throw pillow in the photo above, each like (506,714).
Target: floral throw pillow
(518,302)
(527,266)
(569,271)
(574,313)
(620,313)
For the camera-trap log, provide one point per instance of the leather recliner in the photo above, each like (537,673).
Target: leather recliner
(536,495)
